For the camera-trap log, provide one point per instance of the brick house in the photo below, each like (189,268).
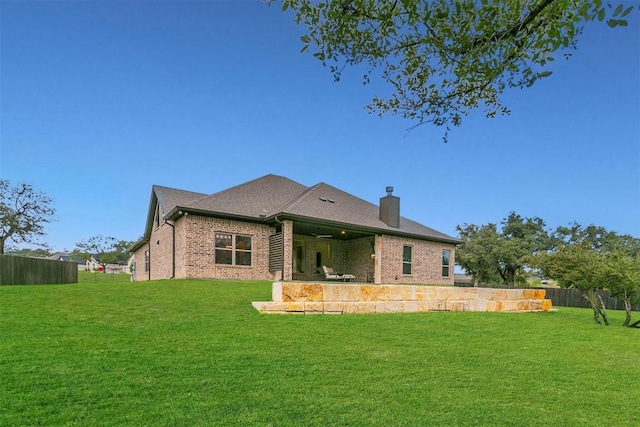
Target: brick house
(273,228)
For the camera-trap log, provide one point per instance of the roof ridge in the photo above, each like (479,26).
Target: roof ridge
(305,197)
(244,184)
(300,196)
(177,189)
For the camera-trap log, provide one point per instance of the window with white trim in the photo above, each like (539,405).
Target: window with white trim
(232,249)
(407,252)
(446,254)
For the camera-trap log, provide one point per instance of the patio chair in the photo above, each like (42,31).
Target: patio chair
(329,274)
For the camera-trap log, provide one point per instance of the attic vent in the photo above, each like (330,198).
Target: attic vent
(324,199)
(330,201)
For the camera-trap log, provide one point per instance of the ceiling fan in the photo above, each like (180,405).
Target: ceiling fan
(322,236)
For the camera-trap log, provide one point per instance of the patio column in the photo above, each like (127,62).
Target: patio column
(377,265)
(287,243)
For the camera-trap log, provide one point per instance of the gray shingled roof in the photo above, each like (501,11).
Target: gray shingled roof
(269,196)
(328,203)
(170,197)
(262,196)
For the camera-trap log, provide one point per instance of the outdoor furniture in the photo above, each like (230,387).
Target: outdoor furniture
(329,274)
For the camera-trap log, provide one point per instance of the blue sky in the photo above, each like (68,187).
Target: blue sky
(99,100)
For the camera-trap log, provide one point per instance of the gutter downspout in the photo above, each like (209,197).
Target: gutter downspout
(149,272)
(173,249)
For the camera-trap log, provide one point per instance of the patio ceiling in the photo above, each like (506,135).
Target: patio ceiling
(327,231)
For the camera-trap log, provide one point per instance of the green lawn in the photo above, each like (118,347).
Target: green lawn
(196,353)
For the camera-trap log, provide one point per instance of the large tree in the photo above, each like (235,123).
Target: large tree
(488,251)
(444,58)
(23,213)
(476,254)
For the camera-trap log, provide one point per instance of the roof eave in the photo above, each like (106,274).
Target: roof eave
(137,245)
(179,211)
(366,229)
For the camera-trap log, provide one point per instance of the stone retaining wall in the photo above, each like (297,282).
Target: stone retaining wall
(351,298)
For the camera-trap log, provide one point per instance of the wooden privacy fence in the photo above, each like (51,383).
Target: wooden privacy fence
(573,298)
(15,270)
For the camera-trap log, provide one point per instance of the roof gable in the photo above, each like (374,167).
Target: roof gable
(168,198)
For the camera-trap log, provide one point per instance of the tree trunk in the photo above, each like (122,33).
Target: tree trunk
(502,275)
(510,277)
(602,308)
(627,309)
(596,315)
(594,301)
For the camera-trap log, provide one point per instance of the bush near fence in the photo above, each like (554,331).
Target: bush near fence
(16,270)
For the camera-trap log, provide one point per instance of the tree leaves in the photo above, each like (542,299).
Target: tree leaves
(493,254)
(443,59)
(592,258)
(105,250)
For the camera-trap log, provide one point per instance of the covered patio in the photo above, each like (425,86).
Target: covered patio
(309,246)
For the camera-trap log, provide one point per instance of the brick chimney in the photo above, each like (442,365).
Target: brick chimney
(390,209)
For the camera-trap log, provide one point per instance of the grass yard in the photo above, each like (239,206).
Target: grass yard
(195,353)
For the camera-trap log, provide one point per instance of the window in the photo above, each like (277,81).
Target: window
(147,260)
(406,259)
(158,215)
(233,249)
(445,262)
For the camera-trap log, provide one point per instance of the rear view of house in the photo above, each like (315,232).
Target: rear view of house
(273,228)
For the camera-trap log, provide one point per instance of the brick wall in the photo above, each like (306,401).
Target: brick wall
(426,262)
(138,259)
(287,227)
(161,243)
(361,263)
(198,251)
(195,254)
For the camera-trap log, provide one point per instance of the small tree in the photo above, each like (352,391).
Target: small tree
(580,267)
(23,213)
(622,272)
(591,258)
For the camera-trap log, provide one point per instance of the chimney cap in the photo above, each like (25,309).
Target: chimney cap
(389,190)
